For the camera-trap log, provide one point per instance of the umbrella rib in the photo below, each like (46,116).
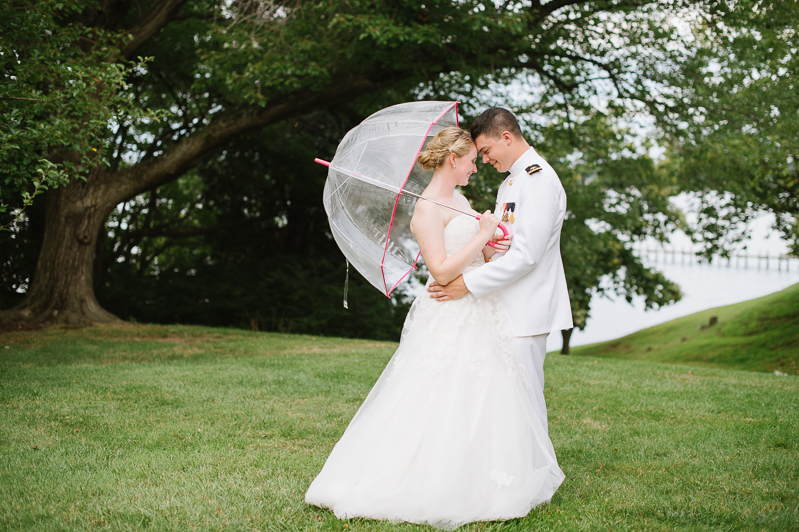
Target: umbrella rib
(384,127)
(365,179)
(338,187)
(390,135)
(351,242)
(410,169)
(406,274)
(361,156)
(391,188)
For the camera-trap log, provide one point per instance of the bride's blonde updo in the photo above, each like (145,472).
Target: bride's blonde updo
(448,140)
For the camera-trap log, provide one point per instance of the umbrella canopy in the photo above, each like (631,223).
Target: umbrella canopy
(374,163)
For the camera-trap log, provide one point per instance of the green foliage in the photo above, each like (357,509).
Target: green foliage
(617,195)
(243,241)
(758,335)
(304,296)
(58,97)
(216,63)
(732,129)
(176,428)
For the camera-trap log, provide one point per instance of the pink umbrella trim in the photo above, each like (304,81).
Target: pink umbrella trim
(396,202)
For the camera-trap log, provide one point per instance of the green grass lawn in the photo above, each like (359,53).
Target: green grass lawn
(188,428)
(760,335)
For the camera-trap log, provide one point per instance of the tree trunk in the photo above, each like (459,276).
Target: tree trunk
(62,290)
(566,334)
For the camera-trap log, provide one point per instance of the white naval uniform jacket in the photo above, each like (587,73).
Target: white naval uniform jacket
(529,277)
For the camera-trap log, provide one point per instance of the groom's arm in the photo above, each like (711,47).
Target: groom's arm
(456,289)
(536,220)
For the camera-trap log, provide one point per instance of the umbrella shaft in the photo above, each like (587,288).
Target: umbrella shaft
(358,176)
(403,191)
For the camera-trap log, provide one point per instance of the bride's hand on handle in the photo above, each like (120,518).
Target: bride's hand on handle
(488,224)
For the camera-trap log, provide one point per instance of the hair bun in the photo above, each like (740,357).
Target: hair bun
(448,140)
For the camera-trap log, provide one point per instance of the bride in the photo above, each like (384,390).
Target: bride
(448,435)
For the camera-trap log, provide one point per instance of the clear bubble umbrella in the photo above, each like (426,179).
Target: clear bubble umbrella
(373,184)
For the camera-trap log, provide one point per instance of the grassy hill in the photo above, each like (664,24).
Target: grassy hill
(128,428)
(760,335)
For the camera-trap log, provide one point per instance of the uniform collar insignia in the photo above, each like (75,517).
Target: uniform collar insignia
(533,168)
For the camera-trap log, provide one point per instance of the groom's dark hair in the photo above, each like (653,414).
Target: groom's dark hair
(493,122)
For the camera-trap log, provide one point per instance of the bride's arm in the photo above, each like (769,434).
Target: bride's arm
(427,225)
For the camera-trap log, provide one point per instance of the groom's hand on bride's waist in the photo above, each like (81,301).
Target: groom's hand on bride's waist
(456,289)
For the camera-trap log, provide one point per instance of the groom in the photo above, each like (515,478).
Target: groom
(529,277)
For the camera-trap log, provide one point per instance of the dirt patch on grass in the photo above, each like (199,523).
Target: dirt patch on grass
(20,327)
(175,338)
(116,332)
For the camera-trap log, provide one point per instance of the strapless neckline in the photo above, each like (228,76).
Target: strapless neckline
(470,216)
(458,233)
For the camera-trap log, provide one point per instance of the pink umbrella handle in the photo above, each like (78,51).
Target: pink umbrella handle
(504,231)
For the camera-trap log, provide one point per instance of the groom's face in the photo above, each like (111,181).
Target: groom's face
(495,152)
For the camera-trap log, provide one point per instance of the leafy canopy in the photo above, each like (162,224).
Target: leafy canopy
(58,96)
(732,128)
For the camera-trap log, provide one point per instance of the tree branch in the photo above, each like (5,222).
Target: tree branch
(155,18)
(196,16)
(550,7)
(559,83)
(187,152)
(545,10)
(608,69)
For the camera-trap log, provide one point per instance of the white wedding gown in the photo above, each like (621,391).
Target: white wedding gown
(448,434)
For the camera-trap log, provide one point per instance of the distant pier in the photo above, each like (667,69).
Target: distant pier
(746,261)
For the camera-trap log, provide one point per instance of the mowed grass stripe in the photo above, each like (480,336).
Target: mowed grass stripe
(191,428)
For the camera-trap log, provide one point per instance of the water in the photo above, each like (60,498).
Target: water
(703,286)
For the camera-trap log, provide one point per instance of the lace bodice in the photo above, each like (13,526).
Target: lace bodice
(457,233)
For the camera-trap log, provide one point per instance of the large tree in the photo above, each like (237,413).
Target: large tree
(220,70)
(732,121)
(243,240)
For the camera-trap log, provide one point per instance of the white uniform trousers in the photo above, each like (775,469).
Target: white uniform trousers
(530,352)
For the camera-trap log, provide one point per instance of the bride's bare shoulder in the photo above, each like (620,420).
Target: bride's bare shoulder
(463,203)
(427,213)
(426,209)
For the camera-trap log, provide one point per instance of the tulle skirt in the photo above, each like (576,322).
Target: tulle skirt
(448,434)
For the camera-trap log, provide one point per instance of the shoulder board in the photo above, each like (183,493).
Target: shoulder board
(533,168)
